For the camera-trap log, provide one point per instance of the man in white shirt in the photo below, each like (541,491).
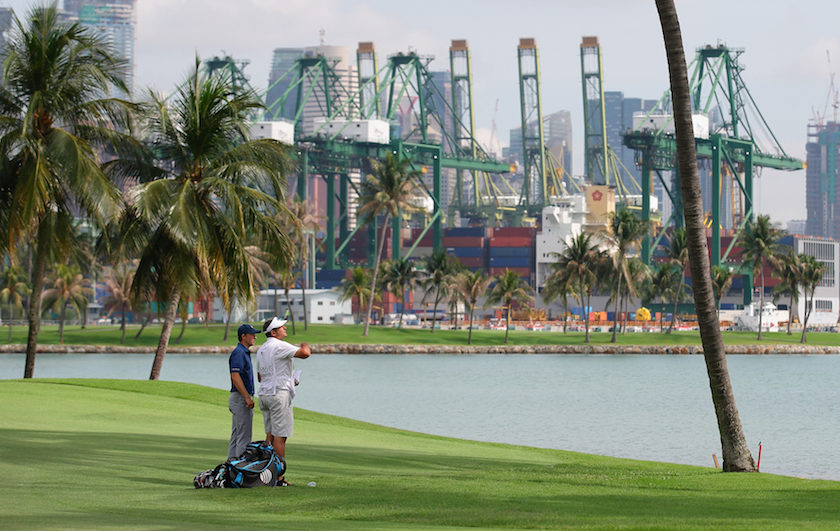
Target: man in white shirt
(277,384)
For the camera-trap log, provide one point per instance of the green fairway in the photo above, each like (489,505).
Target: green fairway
(212,335)
(98,454)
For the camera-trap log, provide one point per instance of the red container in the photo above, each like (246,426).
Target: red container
(511,241)
(463,241)
(523,271)
(515,232)
(470,261)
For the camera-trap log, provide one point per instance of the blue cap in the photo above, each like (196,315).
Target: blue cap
(246,329)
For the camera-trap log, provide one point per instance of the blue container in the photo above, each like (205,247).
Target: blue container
(510,251)
(327,284)
(331,274)
(510,261)
(467,252)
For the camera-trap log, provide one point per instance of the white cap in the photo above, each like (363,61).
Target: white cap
(275,323)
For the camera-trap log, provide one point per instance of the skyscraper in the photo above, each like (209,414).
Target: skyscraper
(116,19)
(279,80)
(822,197)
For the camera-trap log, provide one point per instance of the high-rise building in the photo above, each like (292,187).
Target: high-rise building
(822,177)
(116,19)
(557,133)
(279,80)
(6,15)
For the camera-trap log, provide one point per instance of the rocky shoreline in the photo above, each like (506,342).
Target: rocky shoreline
(450,349)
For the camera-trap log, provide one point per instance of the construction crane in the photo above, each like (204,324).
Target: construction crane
(731,136)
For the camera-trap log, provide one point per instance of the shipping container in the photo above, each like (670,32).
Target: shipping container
(513,241)
(465,231)
(463,241)
(522,271)
(510,251)
(468,261)
(330,274)
(505,232)
(510,261)
(470,252)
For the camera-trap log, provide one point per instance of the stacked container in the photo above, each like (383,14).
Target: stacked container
(329,278)
(467,244)
(512,248)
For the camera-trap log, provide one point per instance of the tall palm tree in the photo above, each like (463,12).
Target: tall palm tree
(678,255)
(398,277)
(55,116)
(578,262)
(439,267)
(470,286)
(189,217)
(736,454)
(387,191)
(357,286)
(812,273)
(761,245)
(69,289)
(304,225)
(559,284)
(13,291)
(624,232)
(789,270)
(509,288)
(722,278)
(118,280)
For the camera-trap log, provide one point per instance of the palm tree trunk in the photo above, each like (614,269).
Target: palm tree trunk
(761,299)
(808,310)
(227,324)
(376,260)
(507,323)
(10,318)
(677,297)
(122,325)
(34,316)
(303,264)
(469,334)
(61,323)
(289,307)
(585,302)
(617,299)
(183,329)
(736,454)
(276,302)
(434,311)
(143,326)
(163,342)
(790,312)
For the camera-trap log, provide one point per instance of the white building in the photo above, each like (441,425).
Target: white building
(323,306)
(561,222)
(826,296)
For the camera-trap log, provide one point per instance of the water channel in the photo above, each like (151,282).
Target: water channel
(643,407)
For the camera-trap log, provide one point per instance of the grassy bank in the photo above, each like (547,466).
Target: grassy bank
(100,453)
(200,335)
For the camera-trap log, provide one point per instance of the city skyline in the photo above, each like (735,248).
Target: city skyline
(790,52)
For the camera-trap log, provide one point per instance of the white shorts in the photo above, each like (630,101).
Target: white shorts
(277,414)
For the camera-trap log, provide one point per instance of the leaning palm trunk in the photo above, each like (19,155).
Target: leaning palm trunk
(146,321)
(379,247)
(34,316)
(808,310)
(617,305)
(736,455)
(122,325)
(166,331)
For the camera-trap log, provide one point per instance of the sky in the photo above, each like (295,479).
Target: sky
(791,49)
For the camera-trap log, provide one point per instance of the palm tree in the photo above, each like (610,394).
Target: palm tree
(559,284)
(722,278)
(55,116)
(578,263)
(69,289)
(13,291)
(259,269)
(357,286)
(439,267)
(678,255)
(663,285)
(470,286)
(399,276)
(638,274)
(287,279)
(388,190)
(812,273)
(761,244)
(188,218)
(304,225)
(789,270)
(736,454)
(509,288)
(625,230)
(118,280)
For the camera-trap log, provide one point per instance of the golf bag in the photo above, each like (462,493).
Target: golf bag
(258,466)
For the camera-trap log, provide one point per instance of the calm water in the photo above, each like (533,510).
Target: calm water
(644,407)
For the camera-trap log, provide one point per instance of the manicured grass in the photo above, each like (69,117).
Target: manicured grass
(199,335)
(117,453)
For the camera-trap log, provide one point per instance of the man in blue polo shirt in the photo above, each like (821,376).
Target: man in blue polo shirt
(241,402)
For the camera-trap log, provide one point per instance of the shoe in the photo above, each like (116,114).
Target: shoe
(282,483)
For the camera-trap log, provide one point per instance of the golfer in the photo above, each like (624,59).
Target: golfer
(277,384)
(241,402)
